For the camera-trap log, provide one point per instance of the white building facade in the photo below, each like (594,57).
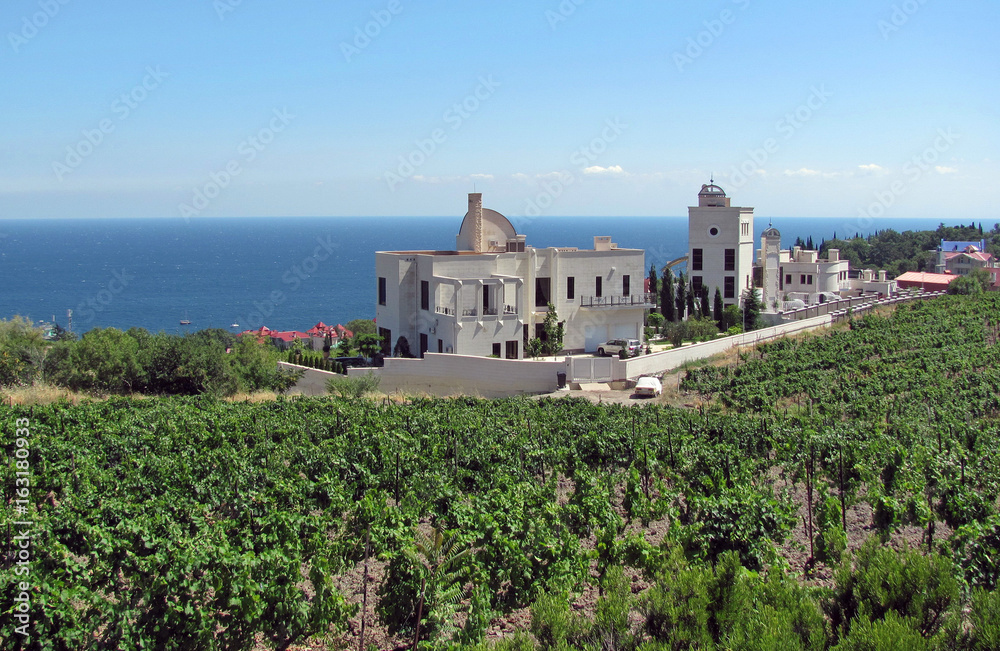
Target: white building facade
(491,294)
(720,245)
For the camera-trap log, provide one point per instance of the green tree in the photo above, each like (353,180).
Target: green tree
(654,283)
(368,344)
(706,306)
(680,300)
(362,327)
(655,320)
(751,310)
(717,312)
(667,295)
(552,343)
(692,303)
(976,282)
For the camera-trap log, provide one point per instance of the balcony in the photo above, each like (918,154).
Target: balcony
(489,311)
(646,301)
(447,311)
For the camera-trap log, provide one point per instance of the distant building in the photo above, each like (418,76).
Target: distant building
(799,274)
(720,245)
(796,277)
(490,295)
(961,258)
(926,281)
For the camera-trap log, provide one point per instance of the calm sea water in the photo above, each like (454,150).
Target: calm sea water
(286,273)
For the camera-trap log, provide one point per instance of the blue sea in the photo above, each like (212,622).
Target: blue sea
(286,273)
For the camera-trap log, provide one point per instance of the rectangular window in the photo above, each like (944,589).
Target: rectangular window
(425,295)
(696,259)
(570,288)
(496,349)
(696,282)
(542,288)
(423,344)
(486,299)
(788,279)
(599,287)
(729,287)
(730,259)
(626,285)
(386,336)
(802,279)
(440,345)
(381,290)
(512,349)
(809,279)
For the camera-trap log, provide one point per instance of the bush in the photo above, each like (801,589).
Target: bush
(553,624)
(353,386)
(831,540)
(919,589)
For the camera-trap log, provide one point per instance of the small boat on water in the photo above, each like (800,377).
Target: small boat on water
(185,322)
(234,325)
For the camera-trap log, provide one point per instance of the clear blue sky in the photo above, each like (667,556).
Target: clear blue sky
(257,107)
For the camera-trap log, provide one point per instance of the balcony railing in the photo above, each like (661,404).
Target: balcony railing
(633,300)
(469,311)
(489,311)
(509,309)
(441,309)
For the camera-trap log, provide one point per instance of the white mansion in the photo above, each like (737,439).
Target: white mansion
(491,294)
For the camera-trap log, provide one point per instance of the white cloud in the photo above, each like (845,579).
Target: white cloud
(481,177)
(614,170)
(871,169)
(941,169)
(806,172)
(803,171)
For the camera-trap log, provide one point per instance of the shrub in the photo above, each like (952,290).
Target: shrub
(831,540)
(919,589)
(353,386)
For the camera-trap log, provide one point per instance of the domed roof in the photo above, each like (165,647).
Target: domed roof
(772,232)
(711,190)
(496,228)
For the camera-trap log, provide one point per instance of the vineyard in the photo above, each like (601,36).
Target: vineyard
(835,491)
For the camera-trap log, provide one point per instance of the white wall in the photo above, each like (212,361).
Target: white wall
(445,375)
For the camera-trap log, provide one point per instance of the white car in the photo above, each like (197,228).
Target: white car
(648,386)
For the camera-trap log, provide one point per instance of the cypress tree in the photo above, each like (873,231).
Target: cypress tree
(679,297)
(654,283)
(667,295)
(692,303)
(706,310)
(719,307)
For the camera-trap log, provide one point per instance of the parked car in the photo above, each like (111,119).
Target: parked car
(615,347)
(648,386)
(351,362)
